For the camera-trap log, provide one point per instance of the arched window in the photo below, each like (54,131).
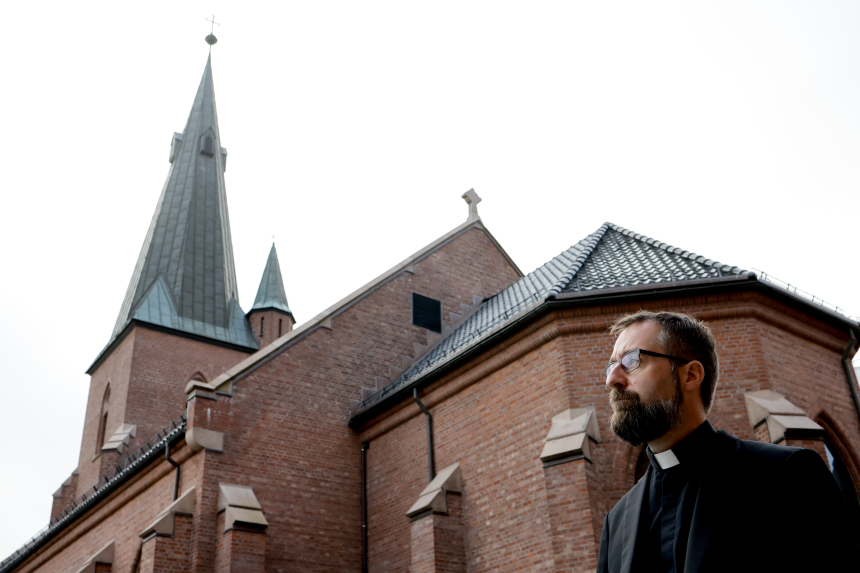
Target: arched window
(207,145)
(103,415)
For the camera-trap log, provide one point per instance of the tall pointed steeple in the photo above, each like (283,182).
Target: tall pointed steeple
(271,293)
(185,279)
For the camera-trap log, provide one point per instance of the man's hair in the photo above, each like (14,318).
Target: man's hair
(683,336)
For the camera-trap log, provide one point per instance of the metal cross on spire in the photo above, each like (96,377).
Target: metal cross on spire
(211,39)
(213,23)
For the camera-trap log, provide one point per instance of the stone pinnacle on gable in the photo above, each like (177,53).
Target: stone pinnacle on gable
(472,199)
(271,293)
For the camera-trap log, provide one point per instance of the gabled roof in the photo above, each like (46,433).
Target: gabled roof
(184,278)
(609,258)
(271,293)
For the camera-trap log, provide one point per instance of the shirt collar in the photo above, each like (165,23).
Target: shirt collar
(687,452)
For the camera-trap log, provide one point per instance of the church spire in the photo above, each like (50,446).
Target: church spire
(185,279)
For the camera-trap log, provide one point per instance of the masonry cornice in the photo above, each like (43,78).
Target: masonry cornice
(543,330)
(553,320)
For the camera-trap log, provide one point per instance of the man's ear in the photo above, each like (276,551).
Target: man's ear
(692,375)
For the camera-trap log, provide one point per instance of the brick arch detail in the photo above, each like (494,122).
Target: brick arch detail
(624,465)
(837,435)
(198,376)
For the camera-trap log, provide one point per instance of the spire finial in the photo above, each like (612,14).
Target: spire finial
(211,39)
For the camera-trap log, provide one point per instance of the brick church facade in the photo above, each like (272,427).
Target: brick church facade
(449,416)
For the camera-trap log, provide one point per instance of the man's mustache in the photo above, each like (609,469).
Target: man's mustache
(616,395)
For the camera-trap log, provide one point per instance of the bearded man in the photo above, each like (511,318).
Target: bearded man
(709,502)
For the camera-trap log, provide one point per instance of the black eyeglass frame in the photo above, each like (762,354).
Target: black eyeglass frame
(612,365)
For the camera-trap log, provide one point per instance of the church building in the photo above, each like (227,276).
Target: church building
(448,416)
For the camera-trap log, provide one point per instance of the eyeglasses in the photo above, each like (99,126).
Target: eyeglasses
(630,360)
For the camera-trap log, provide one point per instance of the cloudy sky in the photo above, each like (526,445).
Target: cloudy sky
(730,129)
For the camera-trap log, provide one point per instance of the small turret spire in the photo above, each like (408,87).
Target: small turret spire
(271,294)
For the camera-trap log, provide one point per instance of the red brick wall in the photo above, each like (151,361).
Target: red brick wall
(573,529)
(495,429)
(239,551)
(147,373)
(437,543)
(168,554)
(286,432)
(272,320)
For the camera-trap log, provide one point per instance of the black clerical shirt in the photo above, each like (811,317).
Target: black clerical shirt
(667,510)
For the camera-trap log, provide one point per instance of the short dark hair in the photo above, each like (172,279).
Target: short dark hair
(683,336)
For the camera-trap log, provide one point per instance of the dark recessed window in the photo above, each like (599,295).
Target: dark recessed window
(207,146)
(426,312)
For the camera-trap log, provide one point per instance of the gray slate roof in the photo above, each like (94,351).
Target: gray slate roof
(611,257)
(185,278)
(271,293)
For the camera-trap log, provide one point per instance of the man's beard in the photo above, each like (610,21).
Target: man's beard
(636,423)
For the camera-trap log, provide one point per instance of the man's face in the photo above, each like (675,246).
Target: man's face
(646,403)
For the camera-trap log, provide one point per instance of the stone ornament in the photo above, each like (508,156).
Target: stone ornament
(568,437)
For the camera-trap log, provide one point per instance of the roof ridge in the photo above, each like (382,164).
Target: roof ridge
(565,279)
(720,267)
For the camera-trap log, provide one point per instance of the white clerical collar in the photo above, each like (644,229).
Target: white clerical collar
(666,459)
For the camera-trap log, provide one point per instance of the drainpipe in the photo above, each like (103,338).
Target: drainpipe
(849,372)
(431,464)
(364,447)
(172,462)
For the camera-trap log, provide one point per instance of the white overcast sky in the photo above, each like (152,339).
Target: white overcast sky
(730,129)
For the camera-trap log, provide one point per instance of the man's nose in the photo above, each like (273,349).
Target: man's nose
(616,378)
